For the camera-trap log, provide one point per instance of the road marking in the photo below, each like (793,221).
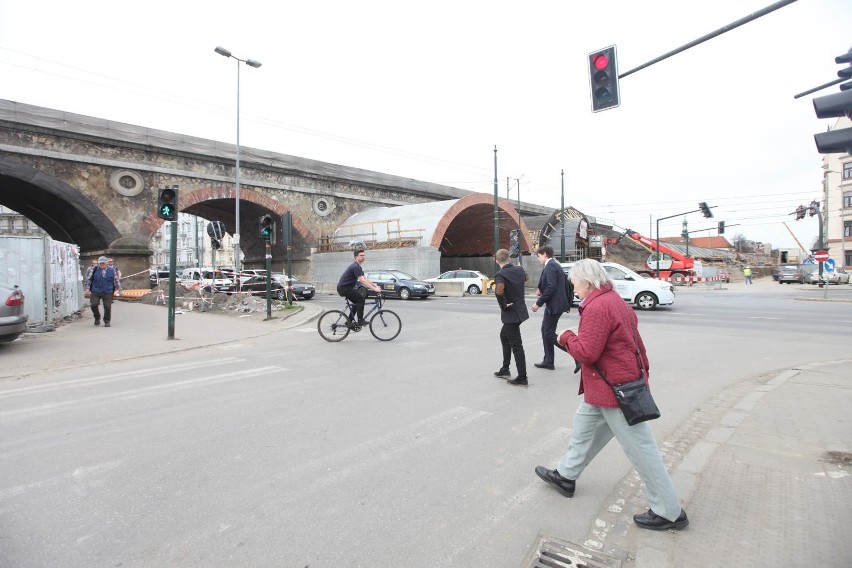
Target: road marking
(140,392)
(180,367)
(77,474)
(762,318)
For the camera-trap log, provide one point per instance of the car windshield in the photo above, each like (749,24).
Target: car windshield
(401,275)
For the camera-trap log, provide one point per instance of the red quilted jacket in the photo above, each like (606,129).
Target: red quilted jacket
(605,339)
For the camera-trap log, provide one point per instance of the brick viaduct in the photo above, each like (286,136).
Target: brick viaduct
(94,183)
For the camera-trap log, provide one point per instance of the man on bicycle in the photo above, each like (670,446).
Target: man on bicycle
(347,286)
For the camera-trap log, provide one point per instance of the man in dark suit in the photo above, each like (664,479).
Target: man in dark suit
(552,293)
(513,312)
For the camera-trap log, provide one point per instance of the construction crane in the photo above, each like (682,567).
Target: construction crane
(801,248)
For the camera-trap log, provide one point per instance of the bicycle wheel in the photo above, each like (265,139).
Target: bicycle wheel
(332,326)
(385,325)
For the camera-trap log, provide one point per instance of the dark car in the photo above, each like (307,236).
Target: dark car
(156,276)
(13,320)
(799,273)
(397,284)
(256,286)
(301,290)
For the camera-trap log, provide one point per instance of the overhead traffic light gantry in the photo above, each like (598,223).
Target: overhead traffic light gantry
(835,106)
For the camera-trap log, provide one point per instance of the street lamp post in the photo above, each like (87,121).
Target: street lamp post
(251,63)
(562,221)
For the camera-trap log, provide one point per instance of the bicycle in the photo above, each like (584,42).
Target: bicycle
(385,325)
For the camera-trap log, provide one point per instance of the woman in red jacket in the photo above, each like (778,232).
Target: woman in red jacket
(608,340)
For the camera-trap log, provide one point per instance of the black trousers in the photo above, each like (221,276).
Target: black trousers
(95,301)
(355,297)
(510,338)
(548,335)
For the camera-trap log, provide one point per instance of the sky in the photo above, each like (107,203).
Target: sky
(427,90)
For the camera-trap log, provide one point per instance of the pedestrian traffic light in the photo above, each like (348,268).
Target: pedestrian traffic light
(721,228)
(167,203)
(215,244)
(705,209)
(287,229)
(267,228)
(514,243)
(603,79)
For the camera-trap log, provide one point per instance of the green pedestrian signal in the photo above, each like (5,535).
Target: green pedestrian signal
(267,228)
(167,206)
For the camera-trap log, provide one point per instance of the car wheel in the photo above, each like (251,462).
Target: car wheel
(281,294)
(646,301)
(404,294)
(307,296)
(677,279)
(473,289)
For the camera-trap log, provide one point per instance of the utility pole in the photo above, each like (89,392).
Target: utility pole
(496,210)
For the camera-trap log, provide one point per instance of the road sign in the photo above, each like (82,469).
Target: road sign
(821,255)
(828,265)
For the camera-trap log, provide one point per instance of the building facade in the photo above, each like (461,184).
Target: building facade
(837,203)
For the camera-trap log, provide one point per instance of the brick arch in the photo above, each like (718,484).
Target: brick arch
(247,195)
(482,224)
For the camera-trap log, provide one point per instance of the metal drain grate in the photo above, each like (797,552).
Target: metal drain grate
(555,553)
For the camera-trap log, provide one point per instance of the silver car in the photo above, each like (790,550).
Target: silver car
(13,320)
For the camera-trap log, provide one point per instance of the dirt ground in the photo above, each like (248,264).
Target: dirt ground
(204,300)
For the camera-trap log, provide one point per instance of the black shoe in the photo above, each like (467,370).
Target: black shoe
(545,366)
(651,520)
(362,323)
(552,476)
(503,373)
(106,324)
(519,381)
(97,322)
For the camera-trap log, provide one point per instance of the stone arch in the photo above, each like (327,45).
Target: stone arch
(60,209)
(468,226)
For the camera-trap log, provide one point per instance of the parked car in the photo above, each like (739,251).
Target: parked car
(473,281)
(301,290)
(256,286)
(191,277)
(395,283)
(790,273)
(644,293)
(833,277)
(724,275)
(155,275)
(13,320)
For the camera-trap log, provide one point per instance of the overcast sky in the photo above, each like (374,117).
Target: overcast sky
(426,90)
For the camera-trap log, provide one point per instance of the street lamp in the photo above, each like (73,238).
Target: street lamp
(251,63)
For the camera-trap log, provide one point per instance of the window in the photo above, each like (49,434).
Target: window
(847,170)
(847,229)
(847,199)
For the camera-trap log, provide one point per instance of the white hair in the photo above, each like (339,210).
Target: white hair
(589,271)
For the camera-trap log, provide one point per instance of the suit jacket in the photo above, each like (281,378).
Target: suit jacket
(552,285)
(512,277)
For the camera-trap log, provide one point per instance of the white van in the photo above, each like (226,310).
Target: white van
(191,277)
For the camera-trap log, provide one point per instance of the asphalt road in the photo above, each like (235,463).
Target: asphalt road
(287,450)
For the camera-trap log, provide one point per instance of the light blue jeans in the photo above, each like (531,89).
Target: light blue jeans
(594,427)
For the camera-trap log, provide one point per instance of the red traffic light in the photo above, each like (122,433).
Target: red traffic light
(601,61)
(603,79)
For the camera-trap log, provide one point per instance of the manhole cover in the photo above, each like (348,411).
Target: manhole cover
(555,553)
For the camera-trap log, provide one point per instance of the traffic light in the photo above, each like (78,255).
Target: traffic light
(215,244)
(603,79)
(705,209)
(167,203)
(286,229)
(800,212)
(515,243)
(721,228)
(267,228)
(835,106)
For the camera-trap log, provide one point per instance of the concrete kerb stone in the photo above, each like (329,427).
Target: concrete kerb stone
(686,453)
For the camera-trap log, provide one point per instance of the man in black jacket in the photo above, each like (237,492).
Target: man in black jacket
(509,290)
(552,294)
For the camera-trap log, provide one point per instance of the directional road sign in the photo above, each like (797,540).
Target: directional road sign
(828,265)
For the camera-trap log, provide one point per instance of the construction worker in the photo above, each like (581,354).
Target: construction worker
(747,274)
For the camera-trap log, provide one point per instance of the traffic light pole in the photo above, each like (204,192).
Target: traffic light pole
(268,255)
(172,277)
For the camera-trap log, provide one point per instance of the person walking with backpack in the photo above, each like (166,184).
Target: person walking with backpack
(102,283)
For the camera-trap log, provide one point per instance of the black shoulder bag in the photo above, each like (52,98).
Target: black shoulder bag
(634,397)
